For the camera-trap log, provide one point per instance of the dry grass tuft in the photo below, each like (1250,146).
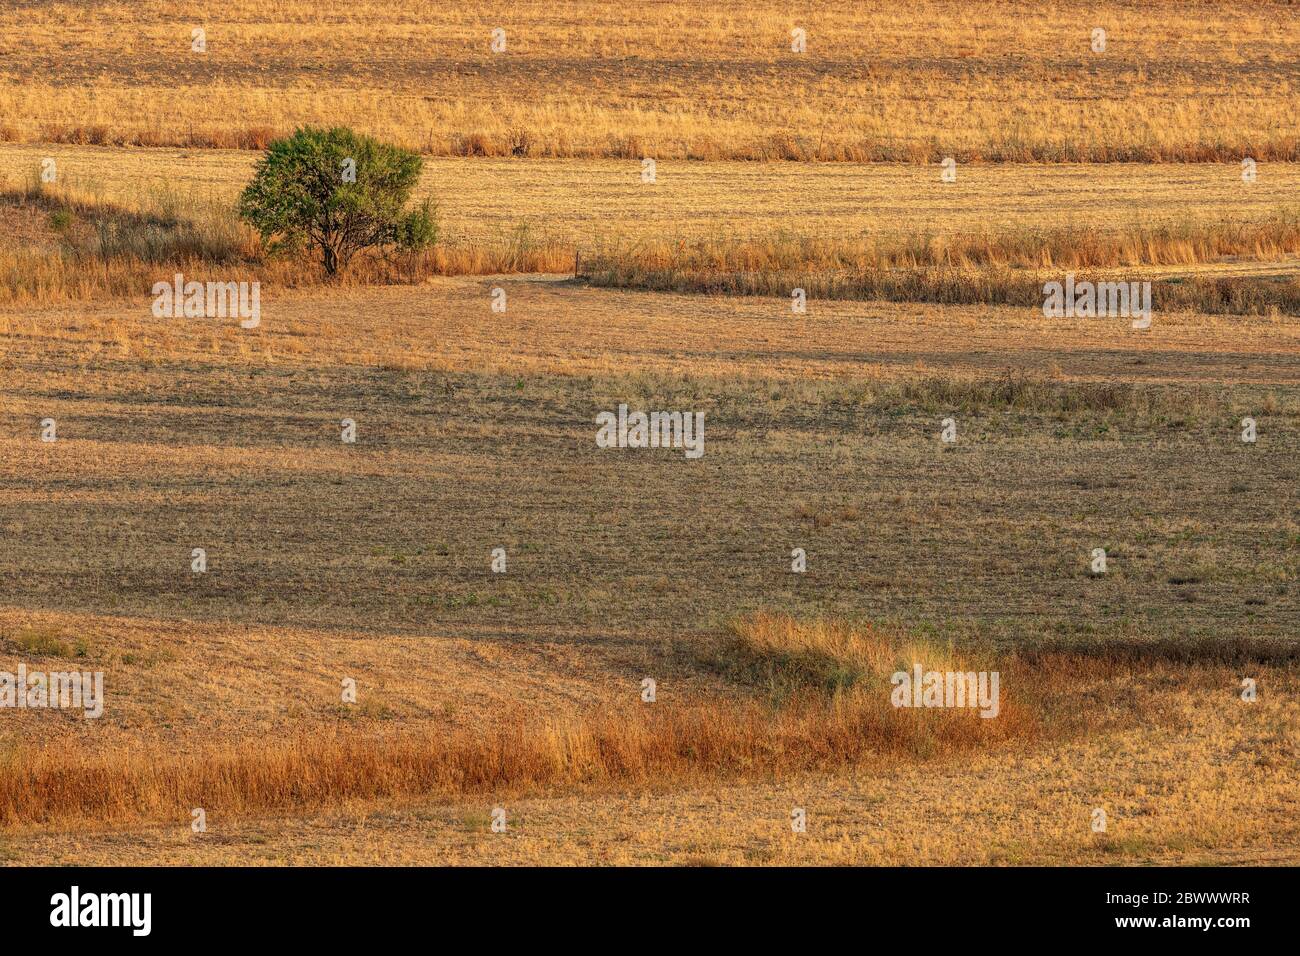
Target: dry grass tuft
(47,642)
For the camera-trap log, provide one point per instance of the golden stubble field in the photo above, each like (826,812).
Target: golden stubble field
(476,431)
(876,81)
(330,562)
(590,203)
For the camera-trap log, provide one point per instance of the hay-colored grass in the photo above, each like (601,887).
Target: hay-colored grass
(978,80)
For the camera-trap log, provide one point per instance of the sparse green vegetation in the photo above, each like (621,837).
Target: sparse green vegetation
(49,642)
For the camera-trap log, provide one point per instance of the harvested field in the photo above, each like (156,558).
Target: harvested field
(631,443)
(329,560)
(978,81)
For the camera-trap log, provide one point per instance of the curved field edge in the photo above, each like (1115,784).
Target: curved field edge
(821,698)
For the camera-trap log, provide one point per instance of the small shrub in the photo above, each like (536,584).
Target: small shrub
(521,142)
(48,642)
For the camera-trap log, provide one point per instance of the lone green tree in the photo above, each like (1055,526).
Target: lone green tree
(340,192)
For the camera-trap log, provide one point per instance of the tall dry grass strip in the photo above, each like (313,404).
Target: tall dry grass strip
(819,699)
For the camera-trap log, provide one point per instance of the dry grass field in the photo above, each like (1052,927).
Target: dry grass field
(837,230)
(1003,81)
(591,202)
(476,429)
(372,561)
